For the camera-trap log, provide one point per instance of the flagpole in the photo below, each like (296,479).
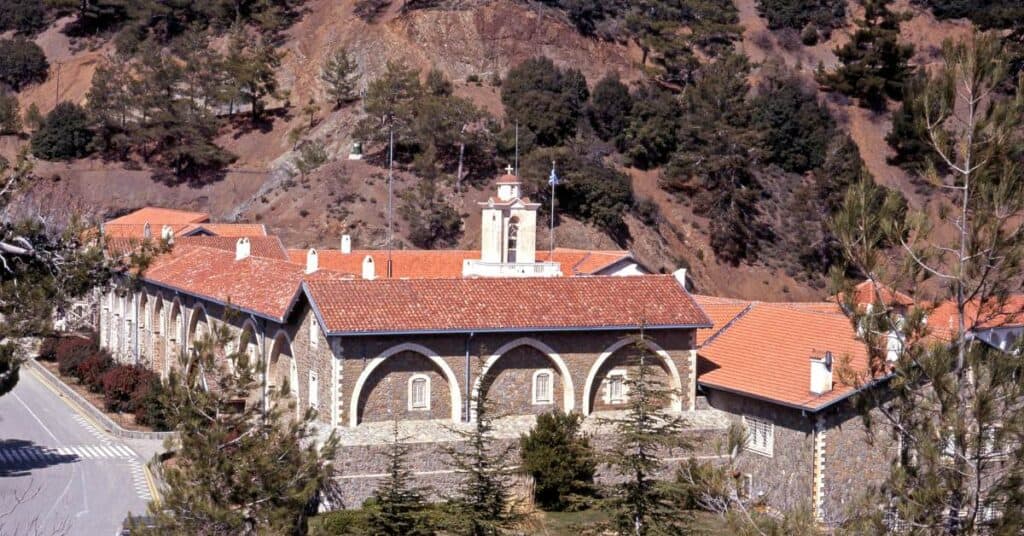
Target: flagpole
(391,180)
(517,148)
(553,181)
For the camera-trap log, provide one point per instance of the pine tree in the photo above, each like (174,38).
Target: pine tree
(610,107)
(110,104)
(954,401)
(873,65)
(642,504)
(239,470)
(560,459)
(482,503)
(252,67)
(340,76)
(389,104)
(399,506)
(909,134)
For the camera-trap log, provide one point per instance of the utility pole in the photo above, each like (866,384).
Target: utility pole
(56,97)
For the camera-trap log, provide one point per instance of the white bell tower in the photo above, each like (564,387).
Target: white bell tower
(508,235)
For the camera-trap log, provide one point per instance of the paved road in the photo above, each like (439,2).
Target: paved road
(59,473)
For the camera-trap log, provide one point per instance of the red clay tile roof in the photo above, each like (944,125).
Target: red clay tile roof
(766,352)
(137,230)
(358,306)
(266,287)
(508,179)
(447,263)
(260,246)
(721,311)
(236,230)
(160,216)
(943,323)
(864,294)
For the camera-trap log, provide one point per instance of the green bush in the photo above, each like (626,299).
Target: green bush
(91,370)
(796,128)
(23,16)
(798,14)
(652,133)
(64,134)
(10,115)
(150,409)
(560,459)
(340,522)
(544,99)
(22,62)
(609,107)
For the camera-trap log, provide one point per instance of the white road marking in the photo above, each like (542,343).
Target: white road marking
(34,416)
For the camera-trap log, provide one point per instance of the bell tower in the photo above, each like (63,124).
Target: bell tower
(508,234)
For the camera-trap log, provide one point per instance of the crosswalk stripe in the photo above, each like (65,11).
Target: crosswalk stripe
(105,452)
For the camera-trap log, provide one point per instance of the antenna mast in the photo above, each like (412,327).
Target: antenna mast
(391,180)
(517,148)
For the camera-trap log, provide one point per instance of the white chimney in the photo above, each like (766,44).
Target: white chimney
(167,234)
(369,272)
(346,244)
(147,231)
(242,249)
(821,374)
(680,276)
(312,261)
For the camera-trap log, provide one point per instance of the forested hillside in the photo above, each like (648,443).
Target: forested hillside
(715,134)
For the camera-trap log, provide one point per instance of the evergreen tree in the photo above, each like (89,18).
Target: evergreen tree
(642,504)
(389,105)
(399,507)
(110,105)
(610,107)
(796,128)
(560,459)
(64,134)
(251,64)
(873,65)
(544,99)
(10,115)
(43,266)
(340,76)
(909,134)
(954,401)
(238,470)
(22,62)
(482,502)
(652,132)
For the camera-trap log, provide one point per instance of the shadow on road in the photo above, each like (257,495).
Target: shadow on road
(19,457)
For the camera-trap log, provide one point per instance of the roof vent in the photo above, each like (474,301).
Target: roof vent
(242,249)
(346,244)
(369,270)
(821,374)
(167,234)
(680,276)
(312,261)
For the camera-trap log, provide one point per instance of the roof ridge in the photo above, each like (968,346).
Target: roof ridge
(728,324)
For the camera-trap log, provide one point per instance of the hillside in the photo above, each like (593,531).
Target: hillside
(471,42)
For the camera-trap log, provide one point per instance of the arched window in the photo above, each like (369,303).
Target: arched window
(419,393)
(513,238)
(542,387)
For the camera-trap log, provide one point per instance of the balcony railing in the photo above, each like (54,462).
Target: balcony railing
(478,268)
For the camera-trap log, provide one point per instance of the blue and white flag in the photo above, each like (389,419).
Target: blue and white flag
(553,180)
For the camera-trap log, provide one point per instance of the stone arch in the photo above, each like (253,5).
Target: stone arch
(449,374)
(198,325)
(159,335)
(175,335)
(673,372)
(249,343)
(279,370)
(144,328)
(568,388)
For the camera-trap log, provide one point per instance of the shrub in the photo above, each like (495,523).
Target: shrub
(148,400)
(609,107)
(120,384)
(22,62)
(90,371)
(70,352)
(48,349)
(560,459)
(544,99)
(23,16)
(64,134)
(341,522)
(10,115)
(797,14)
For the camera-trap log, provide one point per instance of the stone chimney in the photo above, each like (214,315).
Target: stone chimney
(369,270)
(167,234)
(242,249)
(821,374)
(312,261)
(346,244)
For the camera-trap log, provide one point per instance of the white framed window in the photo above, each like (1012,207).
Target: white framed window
(542,387)
(615,387)
(760,435)
(419,392)
(746,486)
(314,334)
(314,389)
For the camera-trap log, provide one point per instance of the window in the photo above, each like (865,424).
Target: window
(513,238)
(314,390)
(314,334)
(542,388)
(419,392)
(615,391)
(746,486)
(760,435)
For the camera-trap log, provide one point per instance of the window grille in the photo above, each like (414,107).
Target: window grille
(419,393)
(760,435)
(542,387)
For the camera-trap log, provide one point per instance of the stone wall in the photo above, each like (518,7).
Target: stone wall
(856,458)
(785,479)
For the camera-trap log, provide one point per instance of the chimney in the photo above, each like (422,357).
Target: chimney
(312,261)
(242,249)
(147,231)
(346,244)
(821,374)
(369,272)
(680,276)
(167,234)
